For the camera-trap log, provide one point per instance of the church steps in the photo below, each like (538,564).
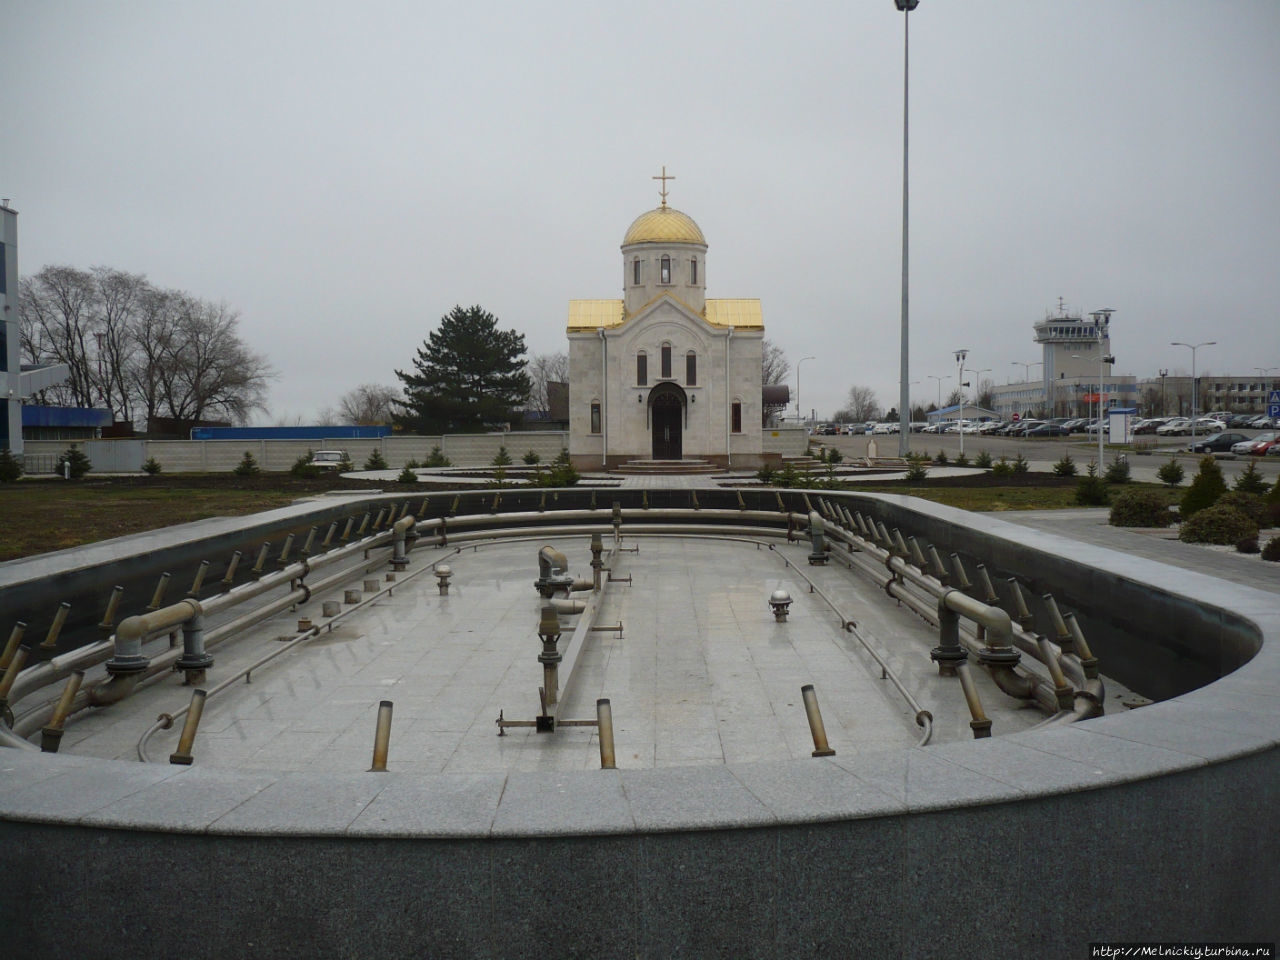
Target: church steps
(658,467)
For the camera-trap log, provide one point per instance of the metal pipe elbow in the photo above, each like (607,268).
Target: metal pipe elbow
(551,560)
(114,689)
(1013,683)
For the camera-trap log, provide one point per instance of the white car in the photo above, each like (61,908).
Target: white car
(886,428)
(329,459)
(1174,428)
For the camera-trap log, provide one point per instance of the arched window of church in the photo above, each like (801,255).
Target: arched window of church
(642,369)
(666,361)
(693,271)
(635,271)
(595,416)
(666,269)
(736,414)
(691,369)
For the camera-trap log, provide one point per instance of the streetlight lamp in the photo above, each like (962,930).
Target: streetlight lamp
(904,389)
(1101,321)
(799,412)
(960,385)
(1194,392)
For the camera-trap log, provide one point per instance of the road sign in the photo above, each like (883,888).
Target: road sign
(1273,404)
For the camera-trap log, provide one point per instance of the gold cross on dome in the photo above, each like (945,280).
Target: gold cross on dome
(664,178)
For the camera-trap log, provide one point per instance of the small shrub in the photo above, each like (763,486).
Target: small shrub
(961,460)
(1066,467)
(302,467)
(407,475)
(412,464)
(1272,550)
(917,469)
(941,458)
(438,459)
(983,460)
(1248,545)
(247,467)
(1217,524)
(1002,468)
(1206,487)
(345,465)
(765,474)
(501,458)
(1020,465)
(563,473)
(78,461)
(1118,472)
(1091,491)
(376,461)
(1250,504)
(1250,480)
(834,456)
(788,477)
(1140,508)
(151,466)
(1171,473)
(531,458)
(10,467)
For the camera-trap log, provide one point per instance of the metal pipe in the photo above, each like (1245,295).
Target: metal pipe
(228,578)
(261,562)
(989,595)
(198,582)
(1065,640)
(183,754)
(1062,690)
(917,555)
(1025,619)
(134,630)
(1088,662)
(604,725)
(980,725)
(382,738)
(899,544)
(310,542)
(935,561)
(113,606)
(819,732)
(11,674)
(962,579)
(55,628)
(51,735)
(346,531)
(328,535)
(283,559)
(15,638)
(399,556)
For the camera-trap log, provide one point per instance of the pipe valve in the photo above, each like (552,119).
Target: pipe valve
(780,602)
(443,573)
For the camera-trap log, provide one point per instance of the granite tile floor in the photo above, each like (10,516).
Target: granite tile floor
(702,673)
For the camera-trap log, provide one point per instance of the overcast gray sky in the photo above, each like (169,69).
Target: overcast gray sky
(343,174)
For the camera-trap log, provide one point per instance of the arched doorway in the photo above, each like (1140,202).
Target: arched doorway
(666,420)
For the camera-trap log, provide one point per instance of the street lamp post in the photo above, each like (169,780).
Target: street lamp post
(1163,374)
(1194,385)
(1101,321)
(799,412)
(904,388)
(939,379)
(960,385)
(1026,374)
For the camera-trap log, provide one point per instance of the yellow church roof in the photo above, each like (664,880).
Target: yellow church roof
(664,225)
(594,314)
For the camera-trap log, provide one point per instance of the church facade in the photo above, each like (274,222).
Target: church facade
(664,373)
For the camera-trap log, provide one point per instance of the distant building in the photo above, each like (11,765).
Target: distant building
(17,382)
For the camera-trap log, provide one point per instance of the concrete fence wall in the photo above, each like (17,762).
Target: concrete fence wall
(219,456)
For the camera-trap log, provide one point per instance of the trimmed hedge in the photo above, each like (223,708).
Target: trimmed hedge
(1141,508)
(1217,524)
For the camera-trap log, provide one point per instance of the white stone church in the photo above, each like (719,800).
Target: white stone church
(664,374)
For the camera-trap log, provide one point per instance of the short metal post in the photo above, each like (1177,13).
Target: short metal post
(310,542)
(198,582)
(364,523)
(382,738)
(228,578)
(962,579)
(183,754)
(988,592)
(935,561)
(51,735)
(6,683)
(15,638)
(261,563)
(1065,640)
(1021,613)
(917,555)
(346,531)
(1088,662)
(820,746)
(328,535)
(113,606)
(283,559)
(55,628)
(604,725)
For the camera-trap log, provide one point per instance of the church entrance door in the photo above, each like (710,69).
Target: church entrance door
(666,406)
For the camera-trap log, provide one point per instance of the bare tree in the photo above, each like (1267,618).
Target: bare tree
(954,398)
(860,406)
(369,403)
(544,368)
(137,349)
(986,396)
(774,368)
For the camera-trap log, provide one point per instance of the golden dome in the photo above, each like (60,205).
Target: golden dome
(663,225)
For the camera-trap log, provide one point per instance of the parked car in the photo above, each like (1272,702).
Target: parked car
(1150,424)
(990,426)
(1175,427)
(1219,442)
(918,426)
(1263,422)
(1209,425)
(1255,445)
(329,459)
(1047,430)
(886,428)
(1092,429)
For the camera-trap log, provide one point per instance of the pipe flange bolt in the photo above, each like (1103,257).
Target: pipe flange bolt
(949,655)
(999,657)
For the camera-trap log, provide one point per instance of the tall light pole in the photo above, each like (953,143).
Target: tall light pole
(1163,374)
(904,387)
(799,412)
(939,379)
(960,355)
(1194,392)
(1026,372)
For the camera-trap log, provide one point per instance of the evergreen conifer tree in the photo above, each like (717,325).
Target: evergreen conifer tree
(468,374)
(1206,487)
